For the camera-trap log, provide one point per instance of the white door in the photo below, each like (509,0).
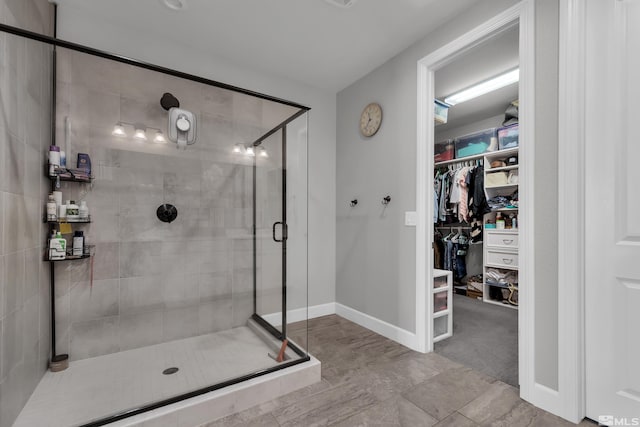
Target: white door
(613,211)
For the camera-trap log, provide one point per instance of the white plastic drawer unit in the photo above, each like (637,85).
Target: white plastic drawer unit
(502,259)
(506,239)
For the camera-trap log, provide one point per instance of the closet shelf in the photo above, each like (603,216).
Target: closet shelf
(501,154)
(503,168)
(502,186)
(505,210)
(460,160)
(498,284)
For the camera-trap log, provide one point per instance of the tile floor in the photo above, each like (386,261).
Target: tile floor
(94,388)
(368,380)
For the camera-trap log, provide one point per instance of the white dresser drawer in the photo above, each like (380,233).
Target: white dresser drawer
(502,259)
(508,239)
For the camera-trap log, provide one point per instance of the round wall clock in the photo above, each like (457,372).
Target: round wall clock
(370,119)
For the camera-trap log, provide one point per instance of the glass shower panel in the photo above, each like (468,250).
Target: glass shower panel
(297,249)
(270,236)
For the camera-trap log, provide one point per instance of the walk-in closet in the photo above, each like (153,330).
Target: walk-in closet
(476,206)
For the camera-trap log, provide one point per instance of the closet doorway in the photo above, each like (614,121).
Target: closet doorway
(492,316)
(475,219)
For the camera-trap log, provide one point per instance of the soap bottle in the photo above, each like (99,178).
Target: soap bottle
(52,210)
(83,210)
(57,247)
(78,243)
(72,210)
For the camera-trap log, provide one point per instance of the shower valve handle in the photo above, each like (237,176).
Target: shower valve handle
(284,232)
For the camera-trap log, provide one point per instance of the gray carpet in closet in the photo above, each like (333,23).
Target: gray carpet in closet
(485,338)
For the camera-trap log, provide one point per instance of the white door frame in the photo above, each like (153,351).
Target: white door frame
(565,401)
(521,13)
(568,400)
(571,202)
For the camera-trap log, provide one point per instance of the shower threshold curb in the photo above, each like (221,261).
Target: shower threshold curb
(220,403)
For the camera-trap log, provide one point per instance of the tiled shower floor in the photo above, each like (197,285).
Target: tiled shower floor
(101,386)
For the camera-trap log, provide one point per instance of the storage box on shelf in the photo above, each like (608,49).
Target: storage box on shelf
(440,111)
(476,143)
(444,151)
(508,137)
(441,299)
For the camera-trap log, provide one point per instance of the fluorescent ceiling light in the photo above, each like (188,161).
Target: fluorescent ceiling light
(487,86)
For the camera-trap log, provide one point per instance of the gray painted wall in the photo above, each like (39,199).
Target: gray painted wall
(77,26)
(25,135)
(375,252)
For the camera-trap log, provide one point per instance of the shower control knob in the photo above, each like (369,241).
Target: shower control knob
(183,124)
(167,213)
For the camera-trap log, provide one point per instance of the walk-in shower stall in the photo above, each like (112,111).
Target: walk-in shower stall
(195,244)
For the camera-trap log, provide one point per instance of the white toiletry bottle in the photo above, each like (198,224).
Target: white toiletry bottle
(83,211)
(62,211)
(57,247)
(52,210)
(72,210)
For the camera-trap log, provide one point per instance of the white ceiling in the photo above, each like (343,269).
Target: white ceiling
(487,60)
(309,41)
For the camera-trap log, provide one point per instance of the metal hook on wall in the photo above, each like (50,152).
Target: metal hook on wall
(354,202)
(386,200)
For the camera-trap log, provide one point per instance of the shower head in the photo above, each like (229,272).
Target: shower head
(169,101)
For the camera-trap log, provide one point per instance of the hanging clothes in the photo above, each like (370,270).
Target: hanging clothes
(463,203)
(479,206)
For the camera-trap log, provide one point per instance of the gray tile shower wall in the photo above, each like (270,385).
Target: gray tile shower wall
(155,282)
(25,134)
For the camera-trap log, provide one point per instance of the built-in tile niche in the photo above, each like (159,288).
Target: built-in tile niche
(152,281)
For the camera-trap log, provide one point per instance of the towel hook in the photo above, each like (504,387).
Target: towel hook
(386,200)
(354,202)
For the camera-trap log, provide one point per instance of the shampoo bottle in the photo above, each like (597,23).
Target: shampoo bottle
(78,243)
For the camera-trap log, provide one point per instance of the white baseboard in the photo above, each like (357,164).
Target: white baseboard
(299,314)
(381,327)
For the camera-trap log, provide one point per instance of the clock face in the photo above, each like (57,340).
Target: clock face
(370,119)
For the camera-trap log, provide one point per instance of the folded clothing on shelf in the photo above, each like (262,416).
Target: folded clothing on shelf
(502,278)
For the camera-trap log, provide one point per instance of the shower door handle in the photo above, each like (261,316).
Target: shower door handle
(284,232)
